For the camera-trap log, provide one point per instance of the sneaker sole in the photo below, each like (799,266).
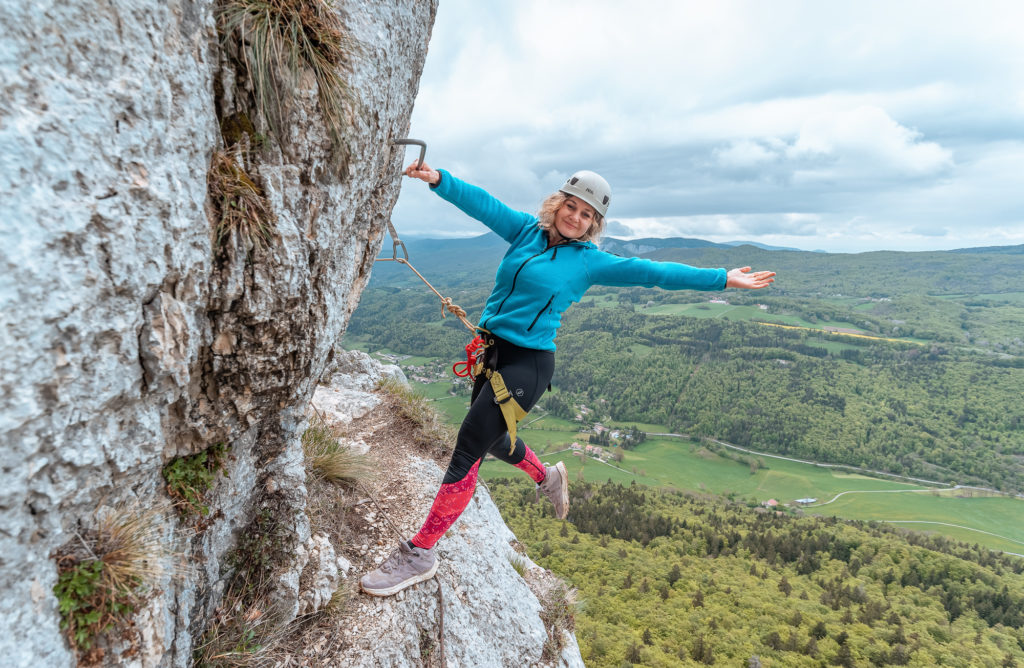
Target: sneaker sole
(564,490)
(394,589)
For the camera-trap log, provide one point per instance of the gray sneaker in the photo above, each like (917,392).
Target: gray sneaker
(556,488)
(405,567)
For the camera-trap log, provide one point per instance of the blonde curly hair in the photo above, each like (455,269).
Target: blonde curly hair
(553,203)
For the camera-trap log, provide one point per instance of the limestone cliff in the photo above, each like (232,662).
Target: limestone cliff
(133,332)
(488,605)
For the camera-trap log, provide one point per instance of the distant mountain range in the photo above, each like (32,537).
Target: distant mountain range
(1001,250)
(490,242)
(647,245)
(462,262)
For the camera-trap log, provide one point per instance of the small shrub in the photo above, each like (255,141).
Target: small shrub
(86,607)
(241,207)
(262,545)
(189,478)
(329,459)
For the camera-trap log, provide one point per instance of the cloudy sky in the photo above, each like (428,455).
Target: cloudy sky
(840,126)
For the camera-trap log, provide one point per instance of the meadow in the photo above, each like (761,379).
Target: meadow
(994,521)
(747,313)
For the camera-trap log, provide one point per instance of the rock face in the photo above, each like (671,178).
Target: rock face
(129,335)
(491,615)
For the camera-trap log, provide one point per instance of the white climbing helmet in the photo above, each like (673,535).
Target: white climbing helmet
(591,188)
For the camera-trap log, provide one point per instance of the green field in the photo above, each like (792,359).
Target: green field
(994,521)
(996,515)
(739,312)
(668,462)
(672,462)
(832,346)
(378,353)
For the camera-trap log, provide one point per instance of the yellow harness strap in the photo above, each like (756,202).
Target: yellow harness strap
(510,408)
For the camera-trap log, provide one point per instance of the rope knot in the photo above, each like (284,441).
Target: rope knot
(453,308)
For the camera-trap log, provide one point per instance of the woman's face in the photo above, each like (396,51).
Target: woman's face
(574,218)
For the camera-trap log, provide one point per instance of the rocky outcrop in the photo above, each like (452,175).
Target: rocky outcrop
(131,336)
(487,612)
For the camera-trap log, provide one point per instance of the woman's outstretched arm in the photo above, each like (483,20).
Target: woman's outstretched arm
(474,201)
(607,269)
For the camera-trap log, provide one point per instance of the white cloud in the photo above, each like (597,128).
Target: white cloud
(745,153)
(728,228)
(719,112)
(866,140)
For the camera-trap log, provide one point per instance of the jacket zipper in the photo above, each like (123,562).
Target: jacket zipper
(516,275)
(513,288)
(537,317)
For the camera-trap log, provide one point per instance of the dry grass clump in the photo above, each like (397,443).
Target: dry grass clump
(241,633)
(558,608)
(285,36)
(245,627)
(328,459)
(132,545)
(429,431)
(241,207)
(108,570)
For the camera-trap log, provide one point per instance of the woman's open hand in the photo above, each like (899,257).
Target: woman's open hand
(423,172)
(742,278)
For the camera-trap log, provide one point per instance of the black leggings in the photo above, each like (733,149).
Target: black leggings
(527,373)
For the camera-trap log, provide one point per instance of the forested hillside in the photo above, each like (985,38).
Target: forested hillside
(938,410)
(667,578)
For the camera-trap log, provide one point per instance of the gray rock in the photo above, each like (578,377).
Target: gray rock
(356,370)
(129,338)
(319,578)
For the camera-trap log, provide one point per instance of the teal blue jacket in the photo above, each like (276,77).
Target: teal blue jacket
(536,283)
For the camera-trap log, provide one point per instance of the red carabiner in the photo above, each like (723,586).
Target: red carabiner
(473,350)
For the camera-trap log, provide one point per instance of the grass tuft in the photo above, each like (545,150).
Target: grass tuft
(558,608)
(106,572)
(328,459)
(519,563)
(132,545)
(281,38)
(241,207)
(430,433)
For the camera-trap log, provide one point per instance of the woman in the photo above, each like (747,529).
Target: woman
(551,262)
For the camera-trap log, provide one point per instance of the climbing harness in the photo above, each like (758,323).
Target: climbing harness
(476,350)
(488,365)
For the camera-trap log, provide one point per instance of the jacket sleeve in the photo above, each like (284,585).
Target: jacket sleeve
(480,204)
(607,269)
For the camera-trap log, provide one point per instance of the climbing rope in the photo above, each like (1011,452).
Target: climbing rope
(473,366)
(446,302)
(510,408)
